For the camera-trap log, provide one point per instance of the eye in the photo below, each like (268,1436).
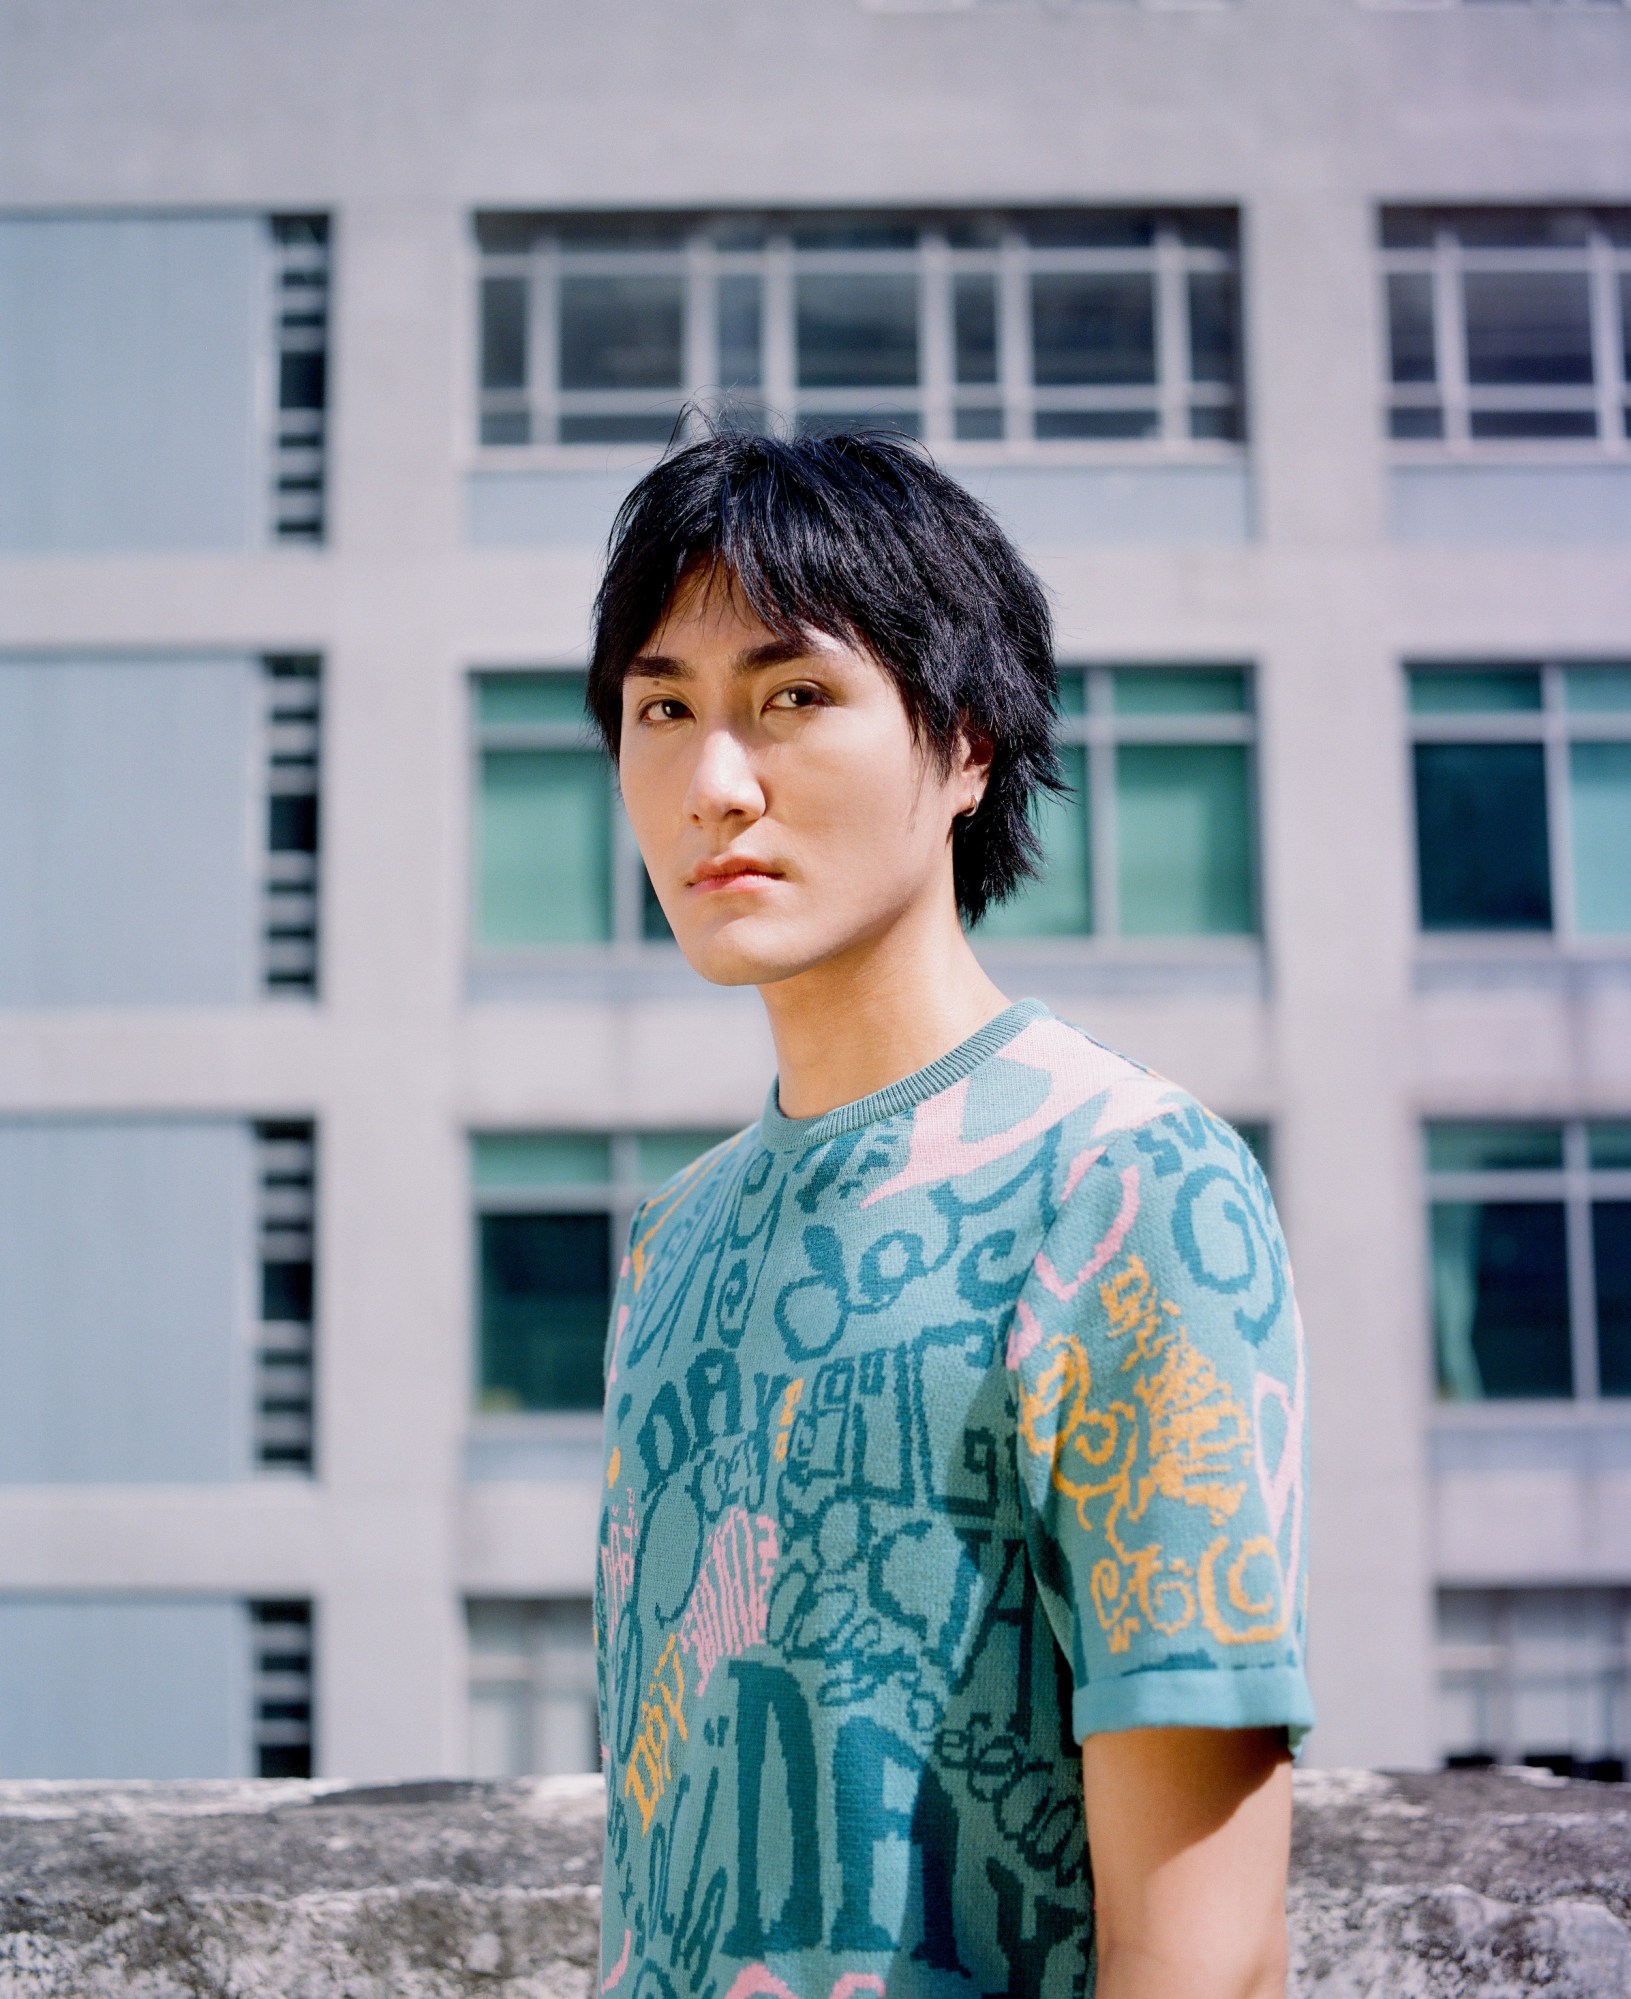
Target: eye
(801,694)
(665,708)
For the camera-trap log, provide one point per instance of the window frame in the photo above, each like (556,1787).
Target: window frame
(1099,731)
(1555,727)
(627,943)
(699,260)
(618,1197)
(1445,263)
(1574,1186)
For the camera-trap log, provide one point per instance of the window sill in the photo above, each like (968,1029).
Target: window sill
(1584,1438)
(536,1445)
(1490,962)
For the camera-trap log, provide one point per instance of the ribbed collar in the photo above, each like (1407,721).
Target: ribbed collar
(794,1134)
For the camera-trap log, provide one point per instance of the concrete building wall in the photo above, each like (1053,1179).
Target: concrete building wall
(1319,559)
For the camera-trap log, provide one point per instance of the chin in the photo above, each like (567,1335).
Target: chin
(726,957)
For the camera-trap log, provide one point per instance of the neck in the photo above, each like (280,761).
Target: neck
(863,1019)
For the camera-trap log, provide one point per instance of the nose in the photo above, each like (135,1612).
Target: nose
(724,784)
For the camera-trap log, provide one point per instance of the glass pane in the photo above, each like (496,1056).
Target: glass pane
(1183,839)
(1095,329)
(519,698)
(856,331)
(545,1299)
(1625,325)
(291,824)
(1412,423)
(1072,693)
(503,333)
(663,1153)
(517,1160)
(1098,424)
(655,427)
(303,380)
(1532,327)
(1609,1144)
(1597,690)
(1212,318)
(1500,1300)
(1453,1147)
(654,925)
(1215,420)
(824,423)
(1060,904)
(506,427)
(974,320)
(856,232)
(1090,229)
(1411,347)
(1485,423)
(543,843)
(1600,830)
(1482,858)
(1163,690)
(978,425)
(740,332)
(1437,691)
(1611,1253)
(622,333)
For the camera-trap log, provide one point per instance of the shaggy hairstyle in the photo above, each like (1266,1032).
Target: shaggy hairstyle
(859,536)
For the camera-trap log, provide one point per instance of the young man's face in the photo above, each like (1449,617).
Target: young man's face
(784,810)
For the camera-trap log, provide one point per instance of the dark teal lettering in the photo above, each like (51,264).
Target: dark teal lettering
(760,1692)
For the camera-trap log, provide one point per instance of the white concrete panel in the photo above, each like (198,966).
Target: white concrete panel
(1541,505)
(124,1686)
(133,358)
(131,830)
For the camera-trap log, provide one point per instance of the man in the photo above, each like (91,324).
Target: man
(951,1577)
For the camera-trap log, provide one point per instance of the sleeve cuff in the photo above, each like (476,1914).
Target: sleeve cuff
(1221,1697)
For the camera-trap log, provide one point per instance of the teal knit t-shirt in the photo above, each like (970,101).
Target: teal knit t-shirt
(942,1431)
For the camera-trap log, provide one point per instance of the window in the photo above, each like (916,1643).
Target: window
(1508,324)
(284,1376)
(289,885)
(282,1688)
(1523,798)
(1530,1236)
(166,381)
(552,1214)
(533,1708)
(1536,1676)
(555,860)
(1039,326)
(300,278)
(1157,836)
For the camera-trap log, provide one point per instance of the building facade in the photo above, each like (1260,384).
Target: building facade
(339,1031)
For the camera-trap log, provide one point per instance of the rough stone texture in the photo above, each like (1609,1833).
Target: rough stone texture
(1405,1887)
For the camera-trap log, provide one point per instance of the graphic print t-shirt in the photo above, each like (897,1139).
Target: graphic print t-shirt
(941,1432)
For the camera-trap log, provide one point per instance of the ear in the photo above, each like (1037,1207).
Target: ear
(972,758)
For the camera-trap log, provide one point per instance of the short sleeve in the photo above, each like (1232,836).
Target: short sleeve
(1160,1393)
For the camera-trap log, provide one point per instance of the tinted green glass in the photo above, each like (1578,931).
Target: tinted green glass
(1473,691)
(1092,328)
(621,332)
(1501,1300)
(511,1161)
(1183,839)
(1483,852)
(1600,828)
(856,330)
(543,846)
(1165,690)
(662,1153)
(1456,1147)
(1060,904)
(1597,690)
(1609,1145)
(1072,694)
(545,1298)
(515,699)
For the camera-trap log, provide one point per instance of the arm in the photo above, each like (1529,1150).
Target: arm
(1189,1830)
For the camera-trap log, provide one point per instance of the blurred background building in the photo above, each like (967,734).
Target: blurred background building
(338,1028)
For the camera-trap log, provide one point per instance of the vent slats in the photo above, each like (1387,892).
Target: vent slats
(284,1407)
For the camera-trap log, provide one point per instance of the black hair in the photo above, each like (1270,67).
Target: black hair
(860,536)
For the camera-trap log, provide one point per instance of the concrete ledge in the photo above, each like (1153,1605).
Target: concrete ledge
(1414,1887)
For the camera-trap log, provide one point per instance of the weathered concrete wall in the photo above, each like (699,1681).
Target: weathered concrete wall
(1413,1887)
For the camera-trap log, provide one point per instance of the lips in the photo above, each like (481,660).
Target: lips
(731,871)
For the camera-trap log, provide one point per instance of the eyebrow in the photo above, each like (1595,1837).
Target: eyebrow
(773,652)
